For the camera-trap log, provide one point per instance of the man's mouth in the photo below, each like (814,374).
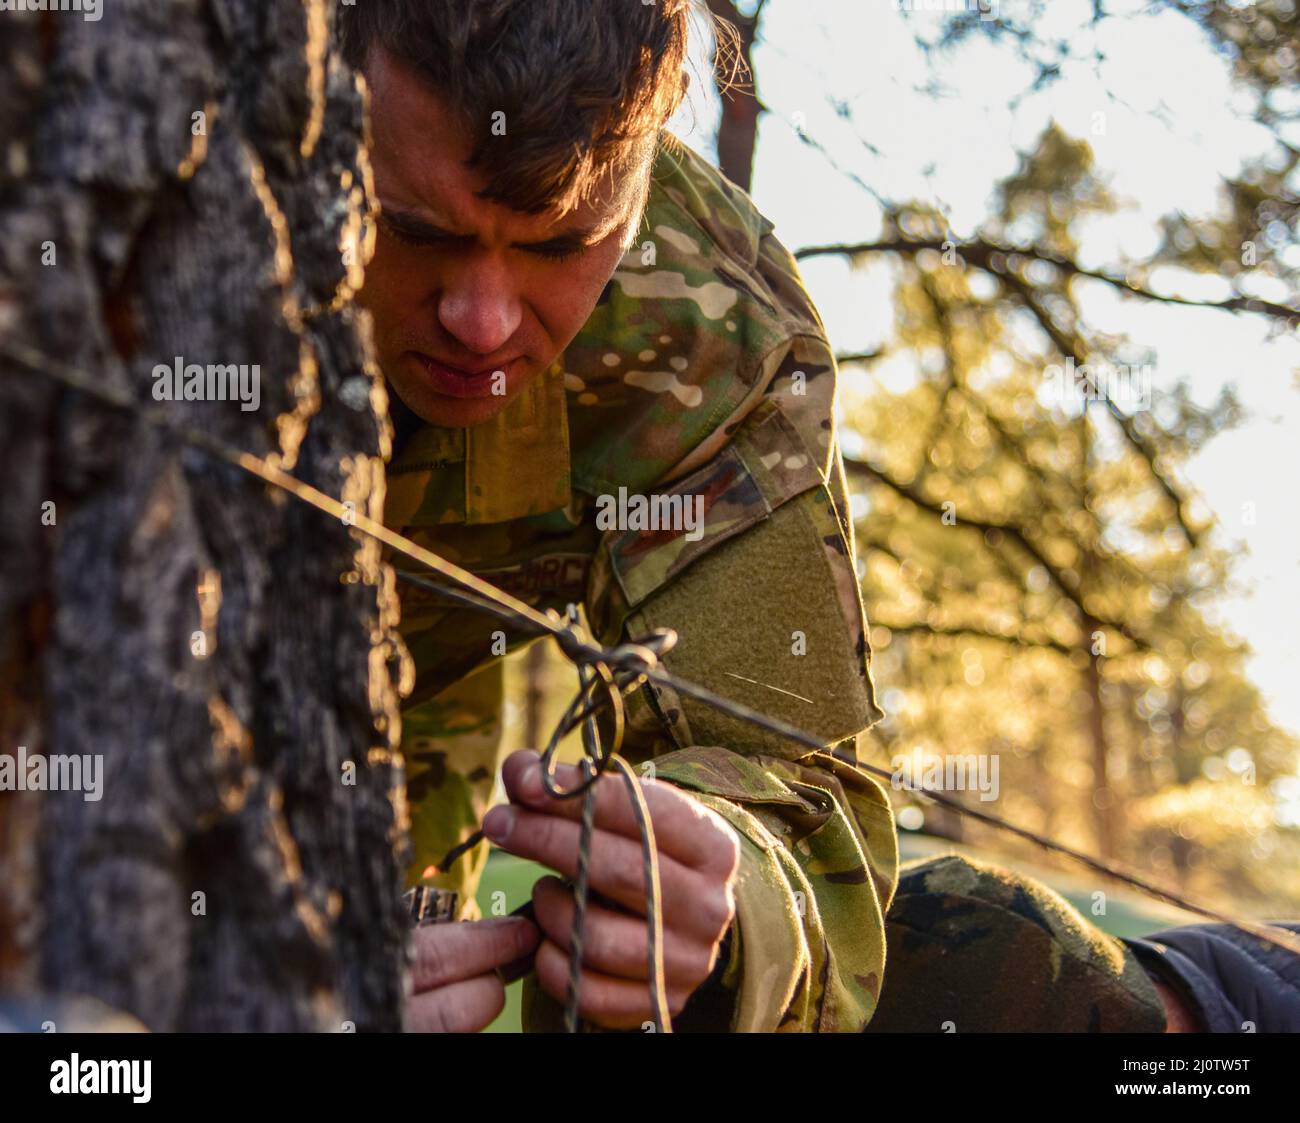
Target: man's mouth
(456,382)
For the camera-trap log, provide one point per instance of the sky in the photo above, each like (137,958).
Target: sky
(1165,124)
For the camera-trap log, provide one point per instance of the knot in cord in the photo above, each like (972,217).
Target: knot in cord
(629,662)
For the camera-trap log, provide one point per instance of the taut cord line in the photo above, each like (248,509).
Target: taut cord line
(624,667)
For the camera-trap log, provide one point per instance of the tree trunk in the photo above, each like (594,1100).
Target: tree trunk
(187,180)
(1103,797)
(738,129)
(1181,849)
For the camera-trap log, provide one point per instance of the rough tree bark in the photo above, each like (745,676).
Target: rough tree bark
(227,653)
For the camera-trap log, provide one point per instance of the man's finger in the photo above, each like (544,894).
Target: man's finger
(611,1003)
(684,828)
(463,1007)
(449,953)
(690,900)
(614,943)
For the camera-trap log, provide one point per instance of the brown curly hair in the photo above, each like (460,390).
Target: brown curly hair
(582,83)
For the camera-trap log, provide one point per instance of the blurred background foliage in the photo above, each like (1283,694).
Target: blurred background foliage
(1038,572)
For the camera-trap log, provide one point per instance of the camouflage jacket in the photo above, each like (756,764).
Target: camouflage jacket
(704,371)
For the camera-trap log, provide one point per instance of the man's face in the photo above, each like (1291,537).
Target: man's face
(472,300)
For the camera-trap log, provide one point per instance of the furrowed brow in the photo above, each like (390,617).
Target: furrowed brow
(587,236)
(570,240)
(412,226)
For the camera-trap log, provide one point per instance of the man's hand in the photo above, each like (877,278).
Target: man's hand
(698,855)
(1179,1017)
(456,988)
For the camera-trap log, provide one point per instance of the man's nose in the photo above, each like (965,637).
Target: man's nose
(480,308)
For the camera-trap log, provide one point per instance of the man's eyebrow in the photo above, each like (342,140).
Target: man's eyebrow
(413,226)
(569,239)
(593,234)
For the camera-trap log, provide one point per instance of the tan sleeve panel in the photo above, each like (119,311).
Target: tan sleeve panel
(764,619)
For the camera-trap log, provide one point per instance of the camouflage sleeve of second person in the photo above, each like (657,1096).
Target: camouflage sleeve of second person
(768,612)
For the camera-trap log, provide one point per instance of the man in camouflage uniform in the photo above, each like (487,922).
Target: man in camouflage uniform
(699,369)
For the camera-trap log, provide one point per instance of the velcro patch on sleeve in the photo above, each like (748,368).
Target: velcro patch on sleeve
(665,532)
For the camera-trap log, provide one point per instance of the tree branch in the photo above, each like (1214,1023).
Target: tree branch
(1070,346)
(980,251)
(1015,533)
(974,633)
